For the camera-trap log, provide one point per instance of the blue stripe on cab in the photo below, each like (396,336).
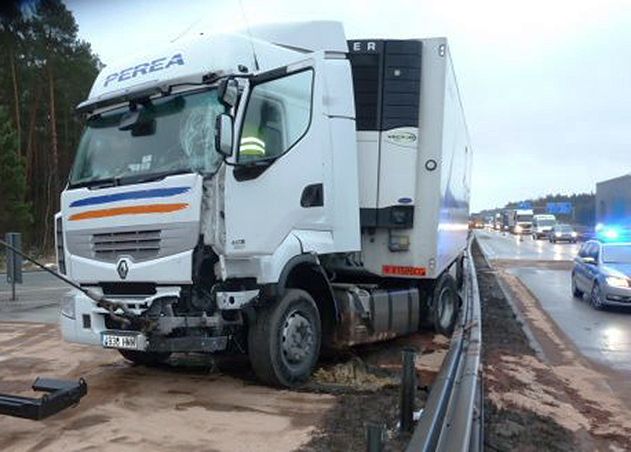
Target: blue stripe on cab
(139,194)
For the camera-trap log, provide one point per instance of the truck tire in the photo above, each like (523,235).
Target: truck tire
(445,305)
(145,358)
(284,340)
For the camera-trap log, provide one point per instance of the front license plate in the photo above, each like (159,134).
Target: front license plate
(126,341)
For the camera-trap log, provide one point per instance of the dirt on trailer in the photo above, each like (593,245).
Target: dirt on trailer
(199,403)
(531,402)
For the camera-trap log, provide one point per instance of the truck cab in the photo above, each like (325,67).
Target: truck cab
(522,221)
(224,197)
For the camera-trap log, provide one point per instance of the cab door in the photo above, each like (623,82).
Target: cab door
(281,184)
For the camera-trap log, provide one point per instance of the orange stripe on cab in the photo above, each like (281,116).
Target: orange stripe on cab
(130,210)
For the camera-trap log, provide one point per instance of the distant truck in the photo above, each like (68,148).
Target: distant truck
(542,224)
(506,220)
(521,221)
(613,208)
(613,201)
(497,222)
(270,193)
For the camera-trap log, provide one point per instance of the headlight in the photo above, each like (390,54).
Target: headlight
(68,305)
(517,228)
(557,234)
(573,234)
(615,281)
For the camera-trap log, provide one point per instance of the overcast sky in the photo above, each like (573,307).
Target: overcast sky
(546,85)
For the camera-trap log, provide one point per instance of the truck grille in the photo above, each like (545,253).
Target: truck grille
(139,245)
(136,242)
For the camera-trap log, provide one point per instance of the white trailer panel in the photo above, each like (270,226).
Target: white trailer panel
(415,178)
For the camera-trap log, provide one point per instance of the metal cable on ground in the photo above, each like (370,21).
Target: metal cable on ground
(100,301)
(451,421)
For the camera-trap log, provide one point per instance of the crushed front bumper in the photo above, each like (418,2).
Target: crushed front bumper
(82,322)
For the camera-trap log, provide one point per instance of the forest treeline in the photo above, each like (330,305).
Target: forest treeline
(45,71)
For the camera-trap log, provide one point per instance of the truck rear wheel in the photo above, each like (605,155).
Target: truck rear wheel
(284,341)
(445,305)
(145,358)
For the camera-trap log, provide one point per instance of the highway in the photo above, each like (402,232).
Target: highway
(604,337)
(498,245)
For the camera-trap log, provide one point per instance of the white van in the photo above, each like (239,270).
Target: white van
(542,225)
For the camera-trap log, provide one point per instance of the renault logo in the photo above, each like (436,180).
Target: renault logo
(122,269)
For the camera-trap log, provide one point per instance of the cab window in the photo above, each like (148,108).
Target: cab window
(277,116)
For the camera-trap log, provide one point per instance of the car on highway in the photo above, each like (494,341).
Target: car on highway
(603,270)
(562,233)
(585,233)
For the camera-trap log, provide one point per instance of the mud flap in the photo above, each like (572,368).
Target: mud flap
(61,394)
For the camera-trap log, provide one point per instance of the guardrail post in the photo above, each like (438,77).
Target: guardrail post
(374,437)
(14,261)
(408,390)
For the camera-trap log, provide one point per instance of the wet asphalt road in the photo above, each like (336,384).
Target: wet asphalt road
(602,336)
(498,245)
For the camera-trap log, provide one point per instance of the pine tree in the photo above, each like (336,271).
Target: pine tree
(14,211)
(45,71)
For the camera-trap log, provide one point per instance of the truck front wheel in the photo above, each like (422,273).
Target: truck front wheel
(445,305)
(284,341)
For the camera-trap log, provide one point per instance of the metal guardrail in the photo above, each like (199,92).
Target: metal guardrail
(453,419)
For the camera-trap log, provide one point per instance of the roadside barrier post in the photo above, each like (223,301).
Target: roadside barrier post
(14,261)
(408,390)
(374,437)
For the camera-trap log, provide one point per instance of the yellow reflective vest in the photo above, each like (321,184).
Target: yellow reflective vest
(251,144)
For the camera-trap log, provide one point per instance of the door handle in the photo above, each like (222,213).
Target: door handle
(312,196)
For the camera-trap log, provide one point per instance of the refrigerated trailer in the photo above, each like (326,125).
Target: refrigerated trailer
(271,193)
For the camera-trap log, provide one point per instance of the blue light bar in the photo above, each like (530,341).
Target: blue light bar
(607,233)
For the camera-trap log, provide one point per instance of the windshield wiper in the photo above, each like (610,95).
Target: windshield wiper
(127,180)
(142,178)
(97,183)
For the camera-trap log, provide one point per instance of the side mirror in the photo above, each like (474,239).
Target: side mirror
(589,260)
(228,91)
(223,134)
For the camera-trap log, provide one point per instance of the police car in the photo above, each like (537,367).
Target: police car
(602,270)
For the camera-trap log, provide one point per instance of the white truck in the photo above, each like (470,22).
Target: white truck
(271,193)
(521,221)
(542,225)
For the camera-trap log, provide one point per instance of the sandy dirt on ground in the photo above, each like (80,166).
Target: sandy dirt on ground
(196,403)
(542,396)
(567,387)
(134,407)
(367,386)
